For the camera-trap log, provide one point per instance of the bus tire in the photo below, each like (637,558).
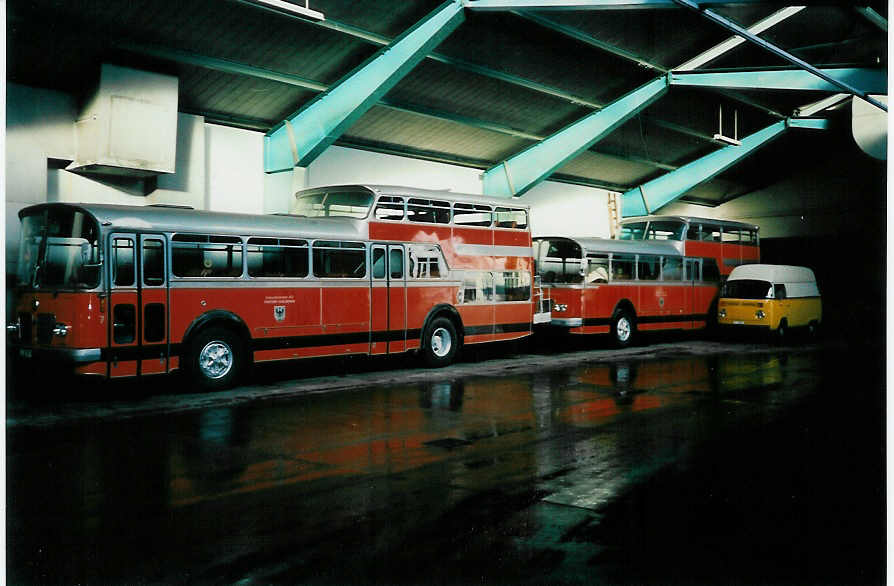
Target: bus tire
(216,358)
(623,328)
(440,343)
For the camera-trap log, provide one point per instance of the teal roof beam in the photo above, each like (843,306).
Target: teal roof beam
(306,134)
(873,17)
(659,192)
(519,173)
(775,50)
(595,4)
(869,80)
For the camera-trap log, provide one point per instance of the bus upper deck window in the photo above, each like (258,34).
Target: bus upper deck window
(633,231)
(333,204)
(511,218)
(730,235)
(694,232)
(666,231)
(711,233)
(431,211)
(467,214)
(390,208)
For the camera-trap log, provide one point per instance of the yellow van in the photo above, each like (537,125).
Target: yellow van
(776,297)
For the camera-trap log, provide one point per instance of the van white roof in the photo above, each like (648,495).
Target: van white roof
(773,273)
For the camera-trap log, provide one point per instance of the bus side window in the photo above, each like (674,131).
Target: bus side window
(730,235)
(512,286)
(339,259)
(378,263)
(779,291)
(467,214)
(597,268)
(694,232)
(647,268)
(710,272)
(511,218)
(671,268)
(426,262)
(153,263)
(390,208)
(432,211)
(711,233)
(622,268)
(123,259)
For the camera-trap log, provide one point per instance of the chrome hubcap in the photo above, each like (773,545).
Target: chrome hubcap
(216,359)
(441,342)
(623,329)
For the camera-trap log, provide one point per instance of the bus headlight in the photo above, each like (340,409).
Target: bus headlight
(722,312)
(15,329)
(560,307)
(61,330)
(759,314)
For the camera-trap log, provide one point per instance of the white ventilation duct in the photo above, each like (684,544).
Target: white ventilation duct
(128,127)
(870,127)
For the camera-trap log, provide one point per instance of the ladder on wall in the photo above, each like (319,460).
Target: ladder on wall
(614,215)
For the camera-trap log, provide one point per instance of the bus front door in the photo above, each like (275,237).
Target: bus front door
(388,319)
(138,301)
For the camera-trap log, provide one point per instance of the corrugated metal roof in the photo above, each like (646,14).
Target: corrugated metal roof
(496,84)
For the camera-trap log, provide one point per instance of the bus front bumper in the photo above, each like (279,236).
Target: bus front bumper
(59,355)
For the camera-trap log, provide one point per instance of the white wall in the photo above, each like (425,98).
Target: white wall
(234,170)
(339,165)
(568,210)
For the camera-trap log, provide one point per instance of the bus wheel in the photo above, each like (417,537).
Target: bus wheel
(623,328)
(215,359)
(440,343)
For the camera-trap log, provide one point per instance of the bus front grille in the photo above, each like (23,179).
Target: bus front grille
(45,324)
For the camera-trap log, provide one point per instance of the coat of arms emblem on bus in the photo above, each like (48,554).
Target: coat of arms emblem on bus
(279,312)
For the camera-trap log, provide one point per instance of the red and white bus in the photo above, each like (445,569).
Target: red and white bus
(730,243)
(126,291)
(600,285)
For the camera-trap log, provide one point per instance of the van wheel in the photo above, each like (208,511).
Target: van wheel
(440,343)
(623,328)
(215,360)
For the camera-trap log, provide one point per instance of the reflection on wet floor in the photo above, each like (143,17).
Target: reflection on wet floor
(366,485)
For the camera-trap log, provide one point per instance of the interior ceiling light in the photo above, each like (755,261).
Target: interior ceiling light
(287,8)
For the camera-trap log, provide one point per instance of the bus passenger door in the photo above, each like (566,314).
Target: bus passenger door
(388,309)
(123,345)
(137,314)
(153,303)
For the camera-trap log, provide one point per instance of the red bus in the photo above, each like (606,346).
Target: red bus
(126,291)
(730,243)
(602,286)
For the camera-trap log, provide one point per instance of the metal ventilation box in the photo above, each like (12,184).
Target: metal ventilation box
(128,127)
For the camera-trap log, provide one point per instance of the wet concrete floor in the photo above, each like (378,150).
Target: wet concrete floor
(690,462)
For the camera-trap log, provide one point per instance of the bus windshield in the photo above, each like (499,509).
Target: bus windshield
(333,204)
(59,247)
(747,289)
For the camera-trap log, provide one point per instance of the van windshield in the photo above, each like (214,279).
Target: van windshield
(747,289)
